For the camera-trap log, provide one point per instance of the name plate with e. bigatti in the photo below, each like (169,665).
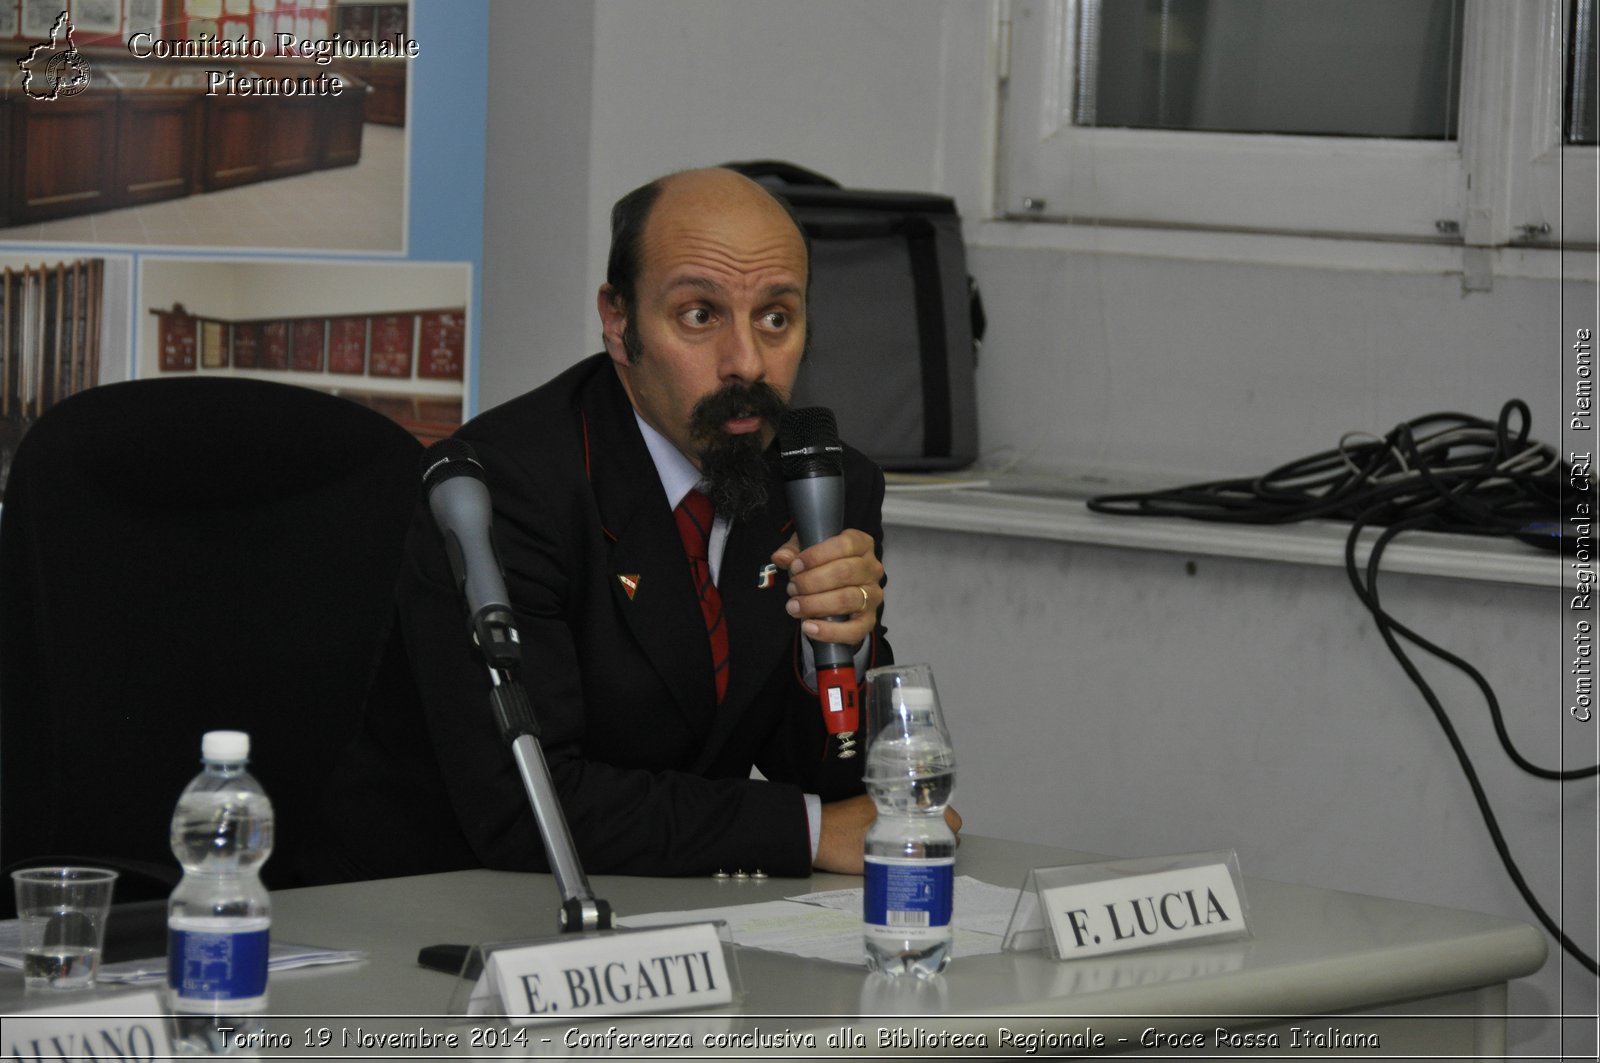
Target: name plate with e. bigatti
(567,979)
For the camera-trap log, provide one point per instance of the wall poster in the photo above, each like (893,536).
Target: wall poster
(315,240)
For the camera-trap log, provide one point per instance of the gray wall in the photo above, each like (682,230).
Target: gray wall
(536,278)
(1101,698)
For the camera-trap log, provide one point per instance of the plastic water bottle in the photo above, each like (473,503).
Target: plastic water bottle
(910,849)
(219,918)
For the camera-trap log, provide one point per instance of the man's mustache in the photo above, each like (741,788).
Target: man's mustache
(736,400)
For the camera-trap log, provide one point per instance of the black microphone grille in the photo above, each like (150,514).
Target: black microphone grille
(447,459)
(808,443)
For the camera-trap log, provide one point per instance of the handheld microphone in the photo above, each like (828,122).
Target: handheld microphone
(458,497)
(813,474)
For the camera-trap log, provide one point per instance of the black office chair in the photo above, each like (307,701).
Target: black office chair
(178,556)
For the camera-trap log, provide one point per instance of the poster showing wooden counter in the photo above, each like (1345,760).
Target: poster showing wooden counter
(153,129)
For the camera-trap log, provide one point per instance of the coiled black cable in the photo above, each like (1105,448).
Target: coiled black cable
(1445,472)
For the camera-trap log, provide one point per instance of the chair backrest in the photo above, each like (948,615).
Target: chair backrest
(178,556)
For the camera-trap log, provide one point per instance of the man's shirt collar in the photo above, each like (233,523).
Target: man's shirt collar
(678,474)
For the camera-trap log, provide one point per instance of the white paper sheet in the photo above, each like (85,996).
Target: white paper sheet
(827,925)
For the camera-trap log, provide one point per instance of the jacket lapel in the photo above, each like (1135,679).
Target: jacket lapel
(660,608)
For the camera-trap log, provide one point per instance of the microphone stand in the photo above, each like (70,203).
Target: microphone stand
(496,635)
(458,496)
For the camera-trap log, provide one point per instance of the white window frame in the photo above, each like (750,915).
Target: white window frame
(1550,186)
(1499,184)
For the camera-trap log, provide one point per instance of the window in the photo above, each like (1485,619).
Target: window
(1372,68)
(1420,120)
(1581,92)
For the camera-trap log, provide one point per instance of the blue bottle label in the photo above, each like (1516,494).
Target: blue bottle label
(217,962)
(905,894)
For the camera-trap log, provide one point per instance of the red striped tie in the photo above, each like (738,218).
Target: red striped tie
(694,516)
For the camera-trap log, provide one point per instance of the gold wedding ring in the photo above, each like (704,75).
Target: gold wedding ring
(866,599)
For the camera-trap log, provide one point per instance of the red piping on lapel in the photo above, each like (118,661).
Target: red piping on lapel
(588,470)
(583,426)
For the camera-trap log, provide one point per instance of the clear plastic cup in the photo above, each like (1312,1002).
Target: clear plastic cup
(62,914)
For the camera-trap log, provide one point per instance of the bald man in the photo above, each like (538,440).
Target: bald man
(703,316)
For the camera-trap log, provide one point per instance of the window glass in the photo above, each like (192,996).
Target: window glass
(1369,68)
(1581,101)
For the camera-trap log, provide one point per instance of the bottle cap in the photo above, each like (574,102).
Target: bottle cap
(225,747)
(915,697)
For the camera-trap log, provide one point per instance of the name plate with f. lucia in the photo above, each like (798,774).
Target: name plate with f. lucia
(1093,909)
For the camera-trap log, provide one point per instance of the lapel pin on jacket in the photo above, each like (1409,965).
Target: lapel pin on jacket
(767,577)
(630,583)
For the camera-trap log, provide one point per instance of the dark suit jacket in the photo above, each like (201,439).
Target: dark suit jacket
(652,773)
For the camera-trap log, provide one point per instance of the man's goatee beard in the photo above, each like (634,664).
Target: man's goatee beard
(733,467)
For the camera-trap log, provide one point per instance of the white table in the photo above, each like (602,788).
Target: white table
(1422,979)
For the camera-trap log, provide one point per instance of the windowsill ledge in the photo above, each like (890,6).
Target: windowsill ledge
(1274,249)
(1053,510)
